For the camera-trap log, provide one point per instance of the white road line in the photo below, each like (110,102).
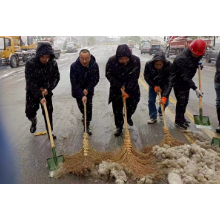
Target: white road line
(7,74)
(17,81)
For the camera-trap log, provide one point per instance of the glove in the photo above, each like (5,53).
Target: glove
(163,100)
(200,64)
(124,96)
(157,89)
(199,93)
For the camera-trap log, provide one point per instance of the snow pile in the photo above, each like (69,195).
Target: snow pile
(115,171)
(121,174)
(196,163)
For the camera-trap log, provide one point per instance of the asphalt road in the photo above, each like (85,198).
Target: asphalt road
(31,152)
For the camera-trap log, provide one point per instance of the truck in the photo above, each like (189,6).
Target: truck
(142,43)
(176,44)
(11,50)
(70,44)
(212,53)
(71,47)
(155,42)
(15,50)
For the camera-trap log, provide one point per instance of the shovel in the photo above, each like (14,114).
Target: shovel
(215,141)
(55,160)
(200,120)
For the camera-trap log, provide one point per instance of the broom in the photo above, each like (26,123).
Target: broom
(138,163)
(168,139)
(83,161)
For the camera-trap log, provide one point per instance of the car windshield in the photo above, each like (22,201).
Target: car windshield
(155,46)
(2,46)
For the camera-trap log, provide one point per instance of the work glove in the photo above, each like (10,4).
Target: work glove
(157,89)
(199,93)
(163,101)
(200,64)
(124,96)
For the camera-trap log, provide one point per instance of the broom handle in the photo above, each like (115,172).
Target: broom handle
(161,106)
(85,116)
(200,88)
(48,125)
(125,110)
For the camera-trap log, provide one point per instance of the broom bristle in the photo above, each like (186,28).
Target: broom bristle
(169,139)
(83,161)
(137,162)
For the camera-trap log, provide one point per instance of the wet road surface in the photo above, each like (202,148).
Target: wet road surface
(31,152)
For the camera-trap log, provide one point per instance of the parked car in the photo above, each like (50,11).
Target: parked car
(211,54)
(156,48)
(145,49)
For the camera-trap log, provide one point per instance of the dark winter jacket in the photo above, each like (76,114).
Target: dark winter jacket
(185,67)
(217,73)
(120,74)
(40,75)
(84,77)
(162,77)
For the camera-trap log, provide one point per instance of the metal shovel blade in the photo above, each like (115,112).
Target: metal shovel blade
(54,161)
(202,122)
(216,142)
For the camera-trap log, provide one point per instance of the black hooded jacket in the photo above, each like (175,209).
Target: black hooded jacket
(163,77)
(84,77)
(39,75)
(217,73)
(120,74)
(185,67)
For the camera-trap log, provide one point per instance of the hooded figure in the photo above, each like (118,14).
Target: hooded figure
(84,76)
(217,89)
(123,71)
(42,76)
(158,74)
(184,66)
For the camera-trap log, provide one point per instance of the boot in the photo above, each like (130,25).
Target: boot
(218,115)
(186,121)
(33,124)
(130,122)
(53,135)
(118,131)
(181,125)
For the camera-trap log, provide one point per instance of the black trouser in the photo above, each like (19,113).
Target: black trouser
(117,105)
(88,107)
(32,106)
(182,96)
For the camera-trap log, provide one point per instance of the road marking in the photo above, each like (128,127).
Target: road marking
(208,132)
(7,74)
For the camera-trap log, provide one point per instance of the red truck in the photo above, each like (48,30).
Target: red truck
(177,44)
